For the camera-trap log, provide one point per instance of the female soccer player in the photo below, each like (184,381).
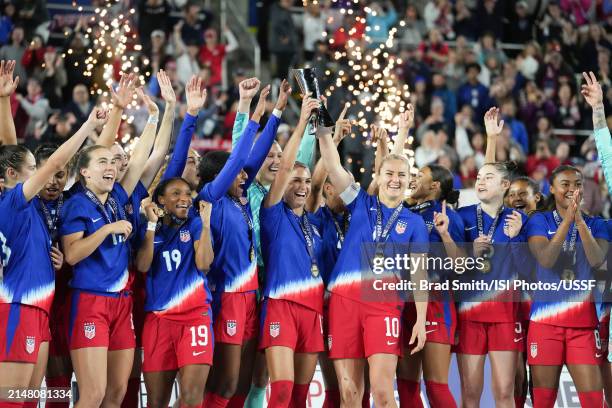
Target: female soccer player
(487,320)
(360,329)
(95,231)
(177,335)
(563,329)
(233,274)
(523,195)
(291,332)
(433,190)
(28,279)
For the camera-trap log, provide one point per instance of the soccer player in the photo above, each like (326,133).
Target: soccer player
(291,333)
(177,337)
(28,264)
(360,329)
(95,231)
(433,190)
(567,245)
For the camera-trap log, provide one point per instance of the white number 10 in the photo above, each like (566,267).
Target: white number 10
(173,255)
(392,326)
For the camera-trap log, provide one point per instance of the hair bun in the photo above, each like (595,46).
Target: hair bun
(511,166)
(452,197)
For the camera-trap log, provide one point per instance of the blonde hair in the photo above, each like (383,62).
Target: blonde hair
(394,156)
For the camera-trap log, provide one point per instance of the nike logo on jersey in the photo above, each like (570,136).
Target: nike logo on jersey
(551,232)
(430,331)
(470,228)
(372,208)
(96,219)
(597,355)
(157,242)
(390,343)
(517,340)
(197,353)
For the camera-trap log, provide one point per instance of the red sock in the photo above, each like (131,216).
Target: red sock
(130,400)
(299,395)
(544,397)
(30,404)
(58,382)
(519,401)
(365,400)
(439,395)
(332,399)
(409,393)
(591,399)
(280,394)
(237,401)
(212,400)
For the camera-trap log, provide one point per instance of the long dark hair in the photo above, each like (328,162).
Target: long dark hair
(443,176)
(83,160)
(160,190)
(550,202)
(12,156)
(211,165)
(44,151)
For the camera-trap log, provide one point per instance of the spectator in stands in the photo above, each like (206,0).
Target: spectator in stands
(590,48)
(414,29)
(212,54)
(59,128)
(528,62)
(434,51)
(313,28)
(351,28)
(429,150)
(568,113)
(6,22)
(490,15)
(551,72)
(35,104)
(519,132)
(15,51)
(487,48)
(152,16)
(186,53)
(282,37)
(31,14)
(157,52)
(33,57)
(552,22)
(195,21)
(379,21)
(465,25)
(439,14)
(448,97)
(473,93)
(521,23)
(544,130)
(435,121)
(579,11)
(53,76)
(80,106)
(541,159)
(76,42)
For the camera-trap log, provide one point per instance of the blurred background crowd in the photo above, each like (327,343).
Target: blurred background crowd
(451,59)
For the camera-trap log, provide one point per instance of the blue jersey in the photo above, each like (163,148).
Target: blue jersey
(27,275)
(176,288)
(409,233)
(132,212)
(106,269)
(332,227)
(493,305)
(567,308)
(288,263)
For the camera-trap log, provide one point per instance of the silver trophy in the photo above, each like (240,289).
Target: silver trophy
(307,81)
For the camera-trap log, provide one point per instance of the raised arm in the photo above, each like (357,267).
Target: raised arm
(143,148)
(8,135)
(406,121)
(204,254)
(331,158)
(266,138)
(162,141)
(279,185)
(144,257)
(58,160)
(494,128)
(379,135)
(196,97)
(594,96)
(247,89)
(121,99)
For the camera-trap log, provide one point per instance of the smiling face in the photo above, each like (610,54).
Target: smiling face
(423,184)
(55,185)
(176,198)
(522,197)
(268,170)
(299,187)
(190,173)
(237,187)
(101,171)
(393,179)
(121,160)
(563,187)
(490,185)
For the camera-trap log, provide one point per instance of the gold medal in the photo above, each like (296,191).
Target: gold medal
(486,266)
(252,254)
(568,275)
(314,270)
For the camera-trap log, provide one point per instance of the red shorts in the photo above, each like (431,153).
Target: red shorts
(436,327)
(101,321)
(291,325)
(235,317)
(59,321)
(357,330)
(138,313)
(170,345)
(479,338)
(555,345)
(22,329)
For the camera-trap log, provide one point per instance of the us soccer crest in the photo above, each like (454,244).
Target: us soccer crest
(230,327)
(90,330)
(534,350)
(185,236)
(274,329)
(400,228)
(30,344)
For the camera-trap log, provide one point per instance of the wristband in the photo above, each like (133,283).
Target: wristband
(153,119)
(151,226)
(277,112)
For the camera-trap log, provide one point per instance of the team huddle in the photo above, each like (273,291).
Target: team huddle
(247,263)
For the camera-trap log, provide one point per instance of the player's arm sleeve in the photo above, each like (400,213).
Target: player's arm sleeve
(177,162)
(603,141)
(261,148)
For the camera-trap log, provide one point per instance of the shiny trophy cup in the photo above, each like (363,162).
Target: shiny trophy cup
(307,81)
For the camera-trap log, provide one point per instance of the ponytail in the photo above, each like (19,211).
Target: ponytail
(443,176)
